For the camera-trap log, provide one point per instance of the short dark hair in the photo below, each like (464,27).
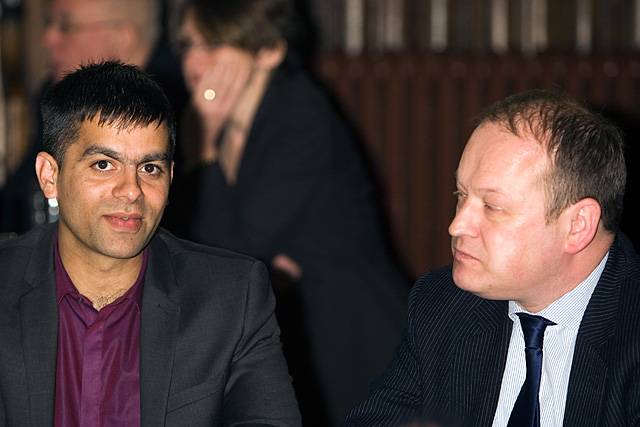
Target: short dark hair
(586,150)
(246,24)
(117,94)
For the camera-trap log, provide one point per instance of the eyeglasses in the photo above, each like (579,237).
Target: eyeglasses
(67,27)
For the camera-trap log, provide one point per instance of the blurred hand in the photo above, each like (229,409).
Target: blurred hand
(288,266)
(217,92)
(216,95)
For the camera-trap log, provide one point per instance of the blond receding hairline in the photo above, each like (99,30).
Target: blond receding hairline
(144,15)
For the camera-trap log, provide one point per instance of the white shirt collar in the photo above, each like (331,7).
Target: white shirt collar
(567,311)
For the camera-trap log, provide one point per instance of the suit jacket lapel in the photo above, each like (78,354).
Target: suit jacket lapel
(159,330)
(39,330)
(589,368)
(480,361)
(494,344)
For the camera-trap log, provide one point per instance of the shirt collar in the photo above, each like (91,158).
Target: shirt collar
(567,311)
(65,286)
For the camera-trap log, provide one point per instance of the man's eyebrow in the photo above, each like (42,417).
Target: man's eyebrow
(155,157)
(482,190)
(497,191)
(150,157)
(98,149)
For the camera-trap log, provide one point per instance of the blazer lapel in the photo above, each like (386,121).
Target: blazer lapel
(493,343)
(589,368)
(480,361)
(39,330)
(158,334)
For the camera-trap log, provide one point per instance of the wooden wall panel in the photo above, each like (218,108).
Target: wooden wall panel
(415,113)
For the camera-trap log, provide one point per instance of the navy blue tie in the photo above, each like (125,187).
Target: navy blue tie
(526,411)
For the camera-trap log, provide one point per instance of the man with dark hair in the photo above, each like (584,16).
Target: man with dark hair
(537,258)
(79,32)
(106,320)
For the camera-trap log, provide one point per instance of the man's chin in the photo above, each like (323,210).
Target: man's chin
(464,278)
(458,276)
(124,253)
(478,285)
(124,248)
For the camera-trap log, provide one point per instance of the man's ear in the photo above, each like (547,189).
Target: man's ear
(269,58)
(584,217)
(47,172)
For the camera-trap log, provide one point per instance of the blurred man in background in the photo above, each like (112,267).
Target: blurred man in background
(81,31)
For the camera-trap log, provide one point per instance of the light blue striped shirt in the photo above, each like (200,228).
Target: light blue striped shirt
(558,347)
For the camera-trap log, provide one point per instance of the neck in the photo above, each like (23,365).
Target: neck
(102,279)
(577,268)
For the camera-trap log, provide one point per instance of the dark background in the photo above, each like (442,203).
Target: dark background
(410,75)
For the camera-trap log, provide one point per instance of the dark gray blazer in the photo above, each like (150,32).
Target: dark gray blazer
(210,352)
(449,367)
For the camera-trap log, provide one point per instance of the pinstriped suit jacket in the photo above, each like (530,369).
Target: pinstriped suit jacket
(449,366)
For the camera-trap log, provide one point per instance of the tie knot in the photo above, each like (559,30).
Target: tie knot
(533,329)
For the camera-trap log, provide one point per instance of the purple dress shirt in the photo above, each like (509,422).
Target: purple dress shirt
(98,358)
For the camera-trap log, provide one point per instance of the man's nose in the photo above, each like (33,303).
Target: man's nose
(128,186)
(465,222)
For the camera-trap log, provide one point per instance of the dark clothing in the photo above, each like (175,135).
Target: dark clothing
(450,365)
(302,191)
(210,351)
(22,204)
(98,361)
(164,67)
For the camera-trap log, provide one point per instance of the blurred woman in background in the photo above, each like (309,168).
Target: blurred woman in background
(277,176)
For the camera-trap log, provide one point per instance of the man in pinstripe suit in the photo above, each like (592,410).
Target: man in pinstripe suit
(539,187)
